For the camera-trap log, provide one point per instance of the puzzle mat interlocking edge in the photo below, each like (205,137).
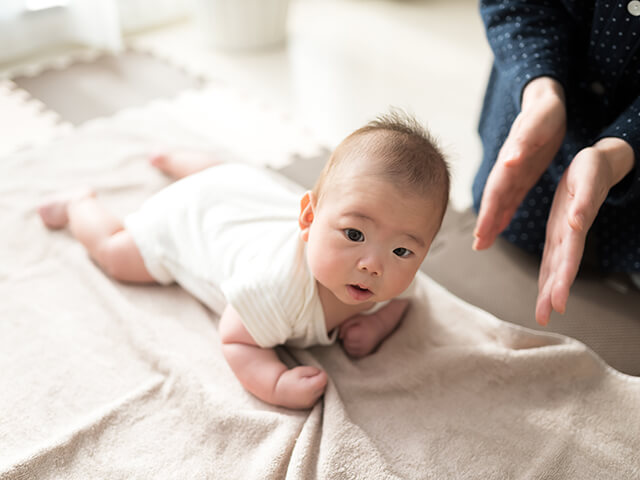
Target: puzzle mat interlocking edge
(218,113)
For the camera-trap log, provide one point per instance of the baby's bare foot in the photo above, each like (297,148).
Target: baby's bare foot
(181,164)
(300,387)
(53,211)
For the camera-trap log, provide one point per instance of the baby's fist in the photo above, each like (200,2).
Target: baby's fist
(300,387)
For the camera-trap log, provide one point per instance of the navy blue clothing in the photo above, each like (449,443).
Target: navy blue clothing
(593,49)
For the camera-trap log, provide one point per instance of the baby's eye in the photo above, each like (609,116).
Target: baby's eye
(354,235)
(402,252)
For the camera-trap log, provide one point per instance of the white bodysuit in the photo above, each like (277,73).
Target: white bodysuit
(230,234)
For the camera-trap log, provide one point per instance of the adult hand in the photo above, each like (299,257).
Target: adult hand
(533,141)
(580,194)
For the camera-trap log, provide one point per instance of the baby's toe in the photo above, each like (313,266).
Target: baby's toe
(159,160)
(54,214)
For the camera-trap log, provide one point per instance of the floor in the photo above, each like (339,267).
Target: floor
(106,85)
(344,62)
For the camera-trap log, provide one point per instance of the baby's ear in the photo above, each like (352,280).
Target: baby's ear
(307,204)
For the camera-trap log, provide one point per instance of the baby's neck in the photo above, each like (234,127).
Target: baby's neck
(335,311)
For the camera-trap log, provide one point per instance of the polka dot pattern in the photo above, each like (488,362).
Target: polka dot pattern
(593,49)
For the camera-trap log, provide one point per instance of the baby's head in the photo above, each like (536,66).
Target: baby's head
(372,215)
(395,148)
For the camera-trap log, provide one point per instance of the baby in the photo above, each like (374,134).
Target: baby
(335,264)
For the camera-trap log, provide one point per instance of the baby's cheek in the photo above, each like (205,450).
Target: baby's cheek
(328,271)
(320,265)
(402,282)
(397,290)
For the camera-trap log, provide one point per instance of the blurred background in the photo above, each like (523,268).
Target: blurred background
(329,65)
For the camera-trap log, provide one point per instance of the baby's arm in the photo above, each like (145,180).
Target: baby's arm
(361,334)
(262,373)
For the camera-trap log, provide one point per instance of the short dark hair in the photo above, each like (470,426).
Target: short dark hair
(405,153)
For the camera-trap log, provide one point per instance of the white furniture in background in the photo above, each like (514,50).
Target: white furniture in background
(29,27)
(243,24)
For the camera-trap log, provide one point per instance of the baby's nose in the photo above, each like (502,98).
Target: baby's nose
(371,265)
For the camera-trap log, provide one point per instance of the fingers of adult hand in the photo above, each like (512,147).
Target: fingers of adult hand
(525,138)
(504,222)
(588,188)
(582,210)
(516,145)
(482,243)
(497,199)
(584,207)
(485,222)
(497,190)
(545,282)
(564,246)
(507,185)
(543,305)
(577,219)
(560,295)
(495,219)
(572,255)
(548,271)
(555,294)
(558,288)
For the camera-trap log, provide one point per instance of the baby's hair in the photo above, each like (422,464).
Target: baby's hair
(398,148)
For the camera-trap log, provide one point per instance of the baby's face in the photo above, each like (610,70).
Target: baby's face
(368,238)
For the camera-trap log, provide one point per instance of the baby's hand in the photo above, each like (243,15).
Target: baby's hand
(360,335)
(300,387)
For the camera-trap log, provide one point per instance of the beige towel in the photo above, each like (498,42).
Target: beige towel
(103,380)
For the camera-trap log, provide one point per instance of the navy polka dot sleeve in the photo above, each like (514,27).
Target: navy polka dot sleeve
(528,40)
(627,127)
(592,47)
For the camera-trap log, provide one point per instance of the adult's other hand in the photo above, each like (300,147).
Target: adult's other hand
(580,194)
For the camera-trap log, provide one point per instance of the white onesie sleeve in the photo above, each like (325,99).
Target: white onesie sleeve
(277,300)
(261,312)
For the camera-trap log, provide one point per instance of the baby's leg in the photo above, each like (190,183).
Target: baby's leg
(181,164)
(262,373)
(102,234)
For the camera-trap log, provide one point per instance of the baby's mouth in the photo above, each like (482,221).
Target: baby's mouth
(359,292)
